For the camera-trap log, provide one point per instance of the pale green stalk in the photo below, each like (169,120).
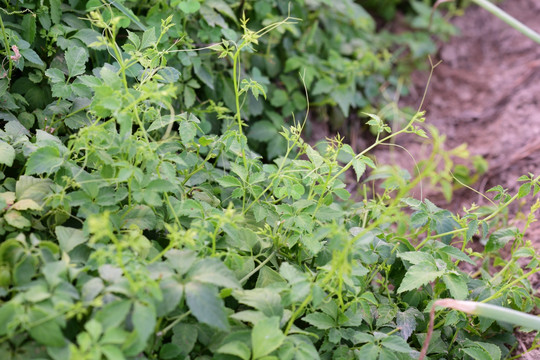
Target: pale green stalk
(494,312)
(510,20)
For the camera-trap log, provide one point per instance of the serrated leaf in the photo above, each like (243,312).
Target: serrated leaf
(229,181)
(472,229)
(456,254)
(359,167)
(419,275)
(236,348)
(187,131)
(148,38)
(456,285)
(524,190)
(29,27)
(32,56)
(76,58)
(205,304)
(416,257)
(396,343)
(500,238)
(189,96)
(26,204)
(320,320)
(16,219)
(369,351)
(213,271)
(48,332)
(189,6)
(493,350)
(262,131)
(142,216)
(44,160)
(265,300)
(144,321)
(55,75)
(266,337)
(69,238)
(477,353)
(406,321)
(7,153)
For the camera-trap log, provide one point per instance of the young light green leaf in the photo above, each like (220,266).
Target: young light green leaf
(266,337)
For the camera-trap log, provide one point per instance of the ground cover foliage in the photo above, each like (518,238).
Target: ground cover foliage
(138,222)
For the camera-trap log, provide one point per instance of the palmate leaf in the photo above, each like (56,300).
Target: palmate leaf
(419,275)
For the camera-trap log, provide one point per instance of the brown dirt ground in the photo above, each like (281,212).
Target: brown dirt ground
(486,93)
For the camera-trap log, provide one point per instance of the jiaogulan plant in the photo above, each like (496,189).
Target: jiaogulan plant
(138,223)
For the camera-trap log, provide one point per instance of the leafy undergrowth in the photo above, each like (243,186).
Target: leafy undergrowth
(142,234)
